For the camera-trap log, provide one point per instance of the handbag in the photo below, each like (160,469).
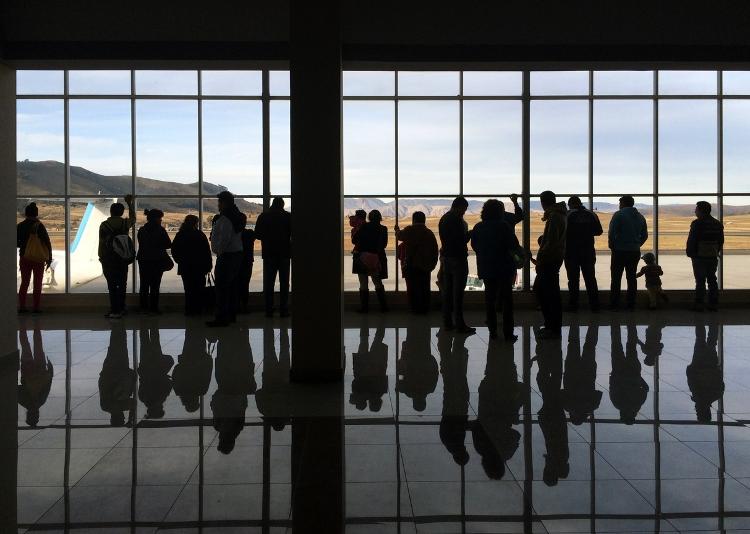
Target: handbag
(166,263)
(209,293)
(371,262)
(35,251)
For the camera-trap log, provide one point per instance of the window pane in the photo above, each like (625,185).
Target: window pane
(735,258)
(175,210)
(623,146)
(40,82)
(85,270)
(687,146)
(560,83)
(736,146)
(231,82)
(683,82)
(428,147)
(280,157)
(233,146)
(387,209)
(99,82)
(278,82)
(614,82)
(40,147)
(736,82)
(675,216)
(100,151)
(166,82)
(492,147)
(369,83)
(480,83)
(559,146)
(369,155)
(167,144)
(52,216)
(428,83)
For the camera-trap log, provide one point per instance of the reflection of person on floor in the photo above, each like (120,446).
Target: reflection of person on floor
(704,375)
(500,397)
(192,374)
(652,347)
(235,380)
(117,379)
(36,375)
(552,414)
(272,397)
(581,398)
(153,371)
(417,367)
(370,380)
(454,358)
(627,388)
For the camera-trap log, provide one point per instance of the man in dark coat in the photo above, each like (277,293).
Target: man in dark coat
(274,230)
(704,245)
(580,256)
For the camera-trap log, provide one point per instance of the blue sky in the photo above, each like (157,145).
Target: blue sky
(428,144)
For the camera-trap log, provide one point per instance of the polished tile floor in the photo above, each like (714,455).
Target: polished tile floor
(631,423)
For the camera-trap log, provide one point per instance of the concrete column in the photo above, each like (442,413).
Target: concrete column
(8,345)
(317,191)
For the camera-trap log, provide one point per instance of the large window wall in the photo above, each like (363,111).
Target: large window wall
(412,141)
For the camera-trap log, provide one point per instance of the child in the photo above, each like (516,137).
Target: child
(356,221)
(653,273)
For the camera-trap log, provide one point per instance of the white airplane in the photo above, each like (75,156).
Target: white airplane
(84,251)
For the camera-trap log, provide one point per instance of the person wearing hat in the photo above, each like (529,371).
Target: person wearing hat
(653,273)
(226,243)
(153,259)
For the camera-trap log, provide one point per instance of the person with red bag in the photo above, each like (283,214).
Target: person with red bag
(35,254)
(371,240)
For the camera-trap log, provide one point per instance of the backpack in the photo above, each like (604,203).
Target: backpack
(35,251)
(121,246)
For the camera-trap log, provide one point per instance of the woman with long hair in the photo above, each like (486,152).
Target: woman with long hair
(191,251)
(153,259)
(371,240)
(35,254)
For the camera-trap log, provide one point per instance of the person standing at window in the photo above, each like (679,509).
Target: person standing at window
(35,254)
(548,261)
(192,252)
(274,230)
(114,267)
(421,257)
(493,241)
(454,236)
(704,245)
(153,259)
(627,234)
(371,240)
(226,243)
(580,255)
(246,271)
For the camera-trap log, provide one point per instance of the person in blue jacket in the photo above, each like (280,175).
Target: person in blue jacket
(627,233)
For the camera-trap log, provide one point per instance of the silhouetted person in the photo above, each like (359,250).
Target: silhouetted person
(370,367)
(517,216)
(370,241)
(420,259)
(704,375)
(580,396)
(192,253)
(704,244)
(114,267)
(235,380)
(153,259)
(34,255)
(117,379)
(652,347)
(274,230)
(627,234)
(153,371)
(191,376)
(417,368)
(36,375)
(454,236)
(580,255)
(501,396)
(493,241)
(454,422)
(548,261)
(552,413)
(226,243)
(653,272)
(273,397)
(246,271)
(627,388)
